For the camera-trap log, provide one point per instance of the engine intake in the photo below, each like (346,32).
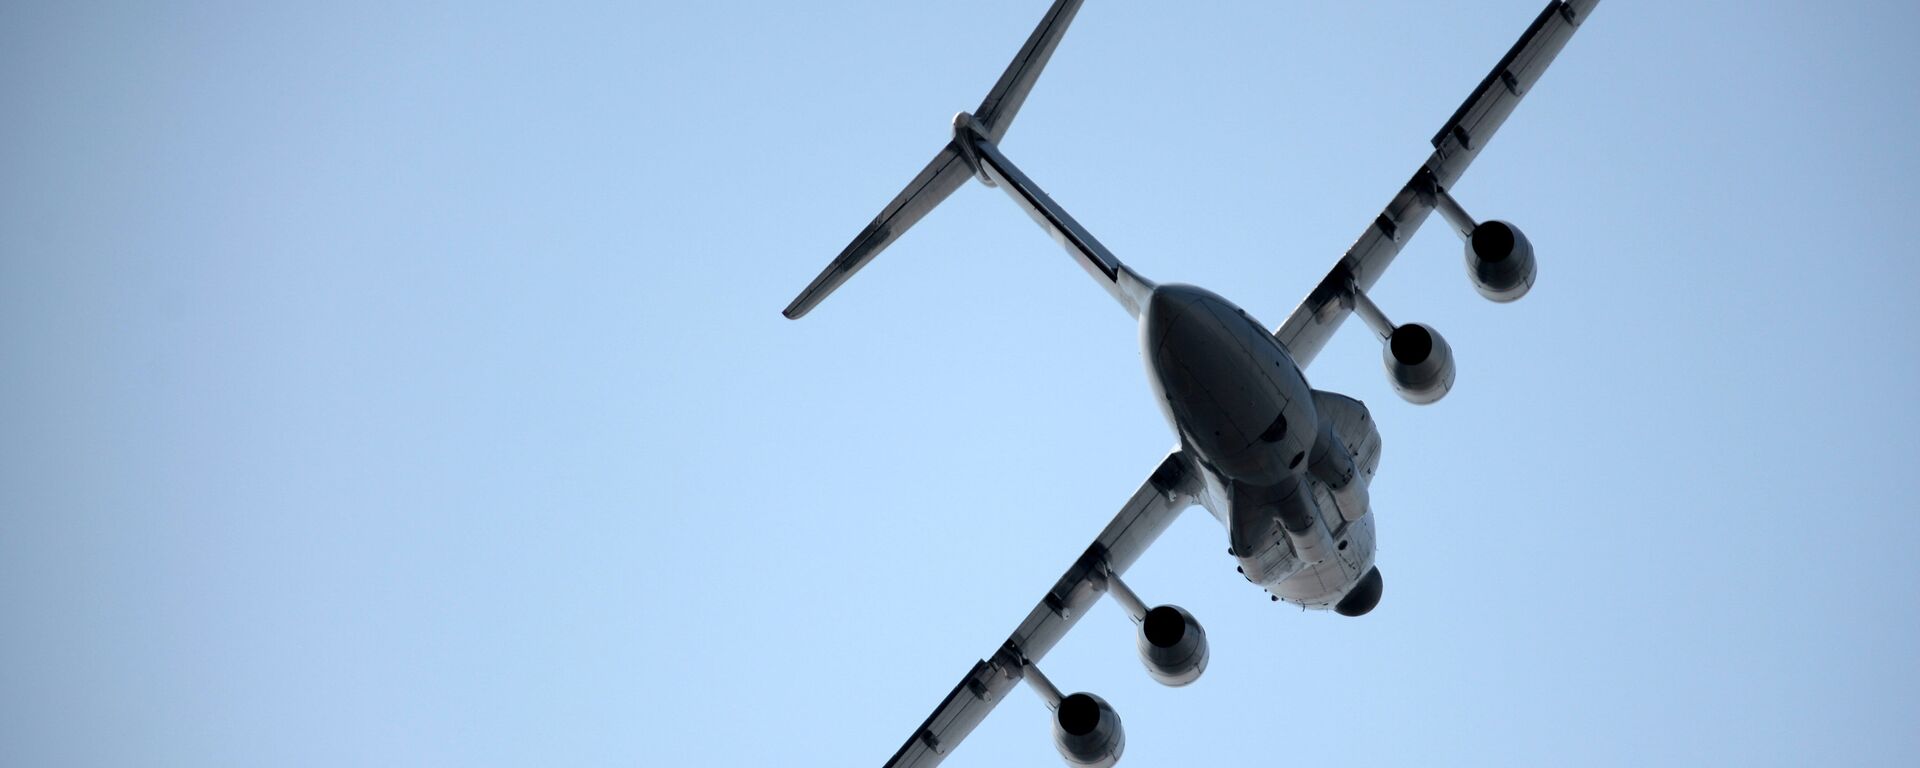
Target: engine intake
(1500,261)
(1087,731)
(1419,363)
(1172,645)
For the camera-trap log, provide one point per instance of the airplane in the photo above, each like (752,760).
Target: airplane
(1283,466)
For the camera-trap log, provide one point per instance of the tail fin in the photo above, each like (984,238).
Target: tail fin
(950,168)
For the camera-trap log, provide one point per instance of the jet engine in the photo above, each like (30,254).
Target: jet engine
(1419,363)
(1087,731)
(1500,261)
(1172,645)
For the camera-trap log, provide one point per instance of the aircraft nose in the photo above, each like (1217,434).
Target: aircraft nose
(1167,307)
(1178,329)
(1210,366)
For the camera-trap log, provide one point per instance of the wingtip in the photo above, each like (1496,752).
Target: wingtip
(802,304)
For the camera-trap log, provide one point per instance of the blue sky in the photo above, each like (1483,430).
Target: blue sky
(407,386)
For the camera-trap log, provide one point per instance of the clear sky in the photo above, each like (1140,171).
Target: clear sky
(406,385)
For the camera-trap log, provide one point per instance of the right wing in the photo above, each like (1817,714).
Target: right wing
(1306,331)
(1166,492)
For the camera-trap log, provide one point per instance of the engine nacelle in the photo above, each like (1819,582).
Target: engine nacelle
(1500,261)
(1172,645)
(1087,731)
(1419,363)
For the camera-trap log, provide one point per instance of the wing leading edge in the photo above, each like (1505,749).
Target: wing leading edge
(1145,516)
(1458,142)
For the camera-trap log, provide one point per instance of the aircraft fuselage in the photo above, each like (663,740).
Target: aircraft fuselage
(1296,515)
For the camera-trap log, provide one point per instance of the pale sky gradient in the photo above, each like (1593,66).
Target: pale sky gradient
(405,385)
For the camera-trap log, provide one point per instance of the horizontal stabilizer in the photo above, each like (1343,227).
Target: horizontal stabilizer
(998,108)
(936,181)
(950,168)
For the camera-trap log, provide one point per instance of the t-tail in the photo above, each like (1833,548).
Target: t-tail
(974,151)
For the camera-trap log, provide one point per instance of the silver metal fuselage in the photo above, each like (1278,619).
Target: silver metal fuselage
(1243,410)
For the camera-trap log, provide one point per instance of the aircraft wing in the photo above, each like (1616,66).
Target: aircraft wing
(1306,331)
(1146,515)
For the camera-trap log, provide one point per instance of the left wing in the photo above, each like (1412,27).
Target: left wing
(1166,492)
(1456,145)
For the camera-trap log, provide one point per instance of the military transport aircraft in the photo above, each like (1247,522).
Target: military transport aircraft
(1283,466)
